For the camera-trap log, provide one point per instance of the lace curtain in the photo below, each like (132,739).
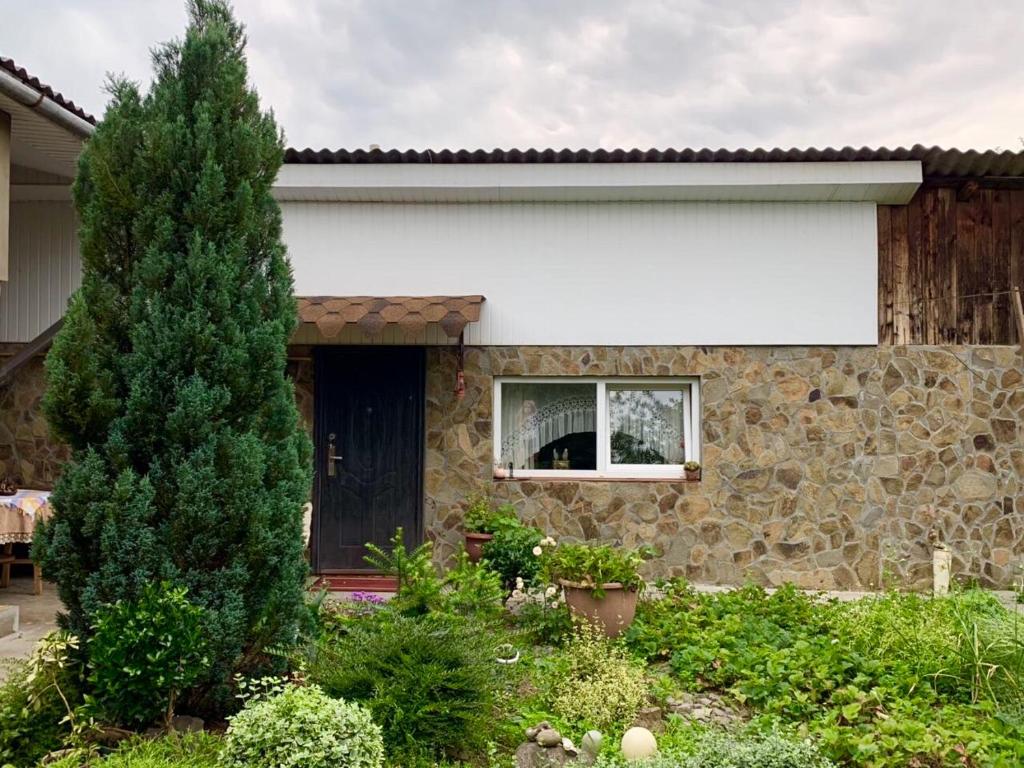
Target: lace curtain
(535,415)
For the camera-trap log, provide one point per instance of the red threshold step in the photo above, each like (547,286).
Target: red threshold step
(356,583)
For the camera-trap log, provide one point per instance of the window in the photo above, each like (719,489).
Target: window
(559,427)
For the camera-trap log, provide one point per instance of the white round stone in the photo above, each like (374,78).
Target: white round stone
(638,743)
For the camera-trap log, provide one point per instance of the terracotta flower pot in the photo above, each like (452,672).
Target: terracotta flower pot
(691,474)
(475,545)
(613,613)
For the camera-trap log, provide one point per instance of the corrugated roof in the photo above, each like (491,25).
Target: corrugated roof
(936,161)
(371,314)
(32,81)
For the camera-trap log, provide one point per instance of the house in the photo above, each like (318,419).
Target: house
(833,335)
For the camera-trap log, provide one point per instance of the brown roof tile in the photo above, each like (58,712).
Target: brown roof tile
(32,81)
(937,162)
(372,314)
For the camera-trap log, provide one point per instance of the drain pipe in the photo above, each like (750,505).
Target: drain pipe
(28,96)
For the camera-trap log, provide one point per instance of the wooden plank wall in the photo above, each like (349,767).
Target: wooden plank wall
(947,262)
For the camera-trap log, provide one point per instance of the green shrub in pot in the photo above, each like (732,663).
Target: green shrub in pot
(595,565)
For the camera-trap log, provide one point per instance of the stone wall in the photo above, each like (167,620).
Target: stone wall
(29,456)
(827,467)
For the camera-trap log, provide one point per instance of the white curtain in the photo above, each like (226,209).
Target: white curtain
(534,415)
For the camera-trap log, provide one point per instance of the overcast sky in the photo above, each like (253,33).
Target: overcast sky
(553,73)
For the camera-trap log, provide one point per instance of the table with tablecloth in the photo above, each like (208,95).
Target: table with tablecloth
(18,516)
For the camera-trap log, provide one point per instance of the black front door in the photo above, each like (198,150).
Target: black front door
(369,451)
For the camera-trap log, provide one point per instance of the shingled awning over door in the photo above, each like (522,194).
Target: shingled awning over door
(372,314)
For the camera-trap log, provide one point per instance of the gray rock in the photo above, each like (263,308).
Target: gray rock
(651,719)
(187,724)
(549,737)
(530,754)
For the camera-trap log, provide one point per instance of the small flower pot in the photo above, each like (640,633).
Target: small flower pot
(612,613)
(475,545)
(691,474)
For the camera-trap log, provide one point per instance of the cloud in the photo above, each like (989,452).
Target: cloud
(519,73)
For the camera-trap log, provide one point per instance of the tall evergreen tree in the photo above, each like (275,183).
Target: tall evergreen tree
(168,378)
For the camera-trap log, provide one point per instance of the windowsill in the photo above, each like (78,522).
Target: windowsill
(527,476)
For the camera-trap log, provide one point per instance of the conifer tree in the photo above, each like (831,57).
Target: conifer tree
(168,378)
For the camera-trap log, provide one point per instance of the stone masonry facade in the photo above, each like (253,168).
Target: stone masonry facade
(29,457)
(828,467)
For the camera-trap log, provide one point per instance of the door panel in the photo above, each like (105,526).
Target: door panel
(369,404)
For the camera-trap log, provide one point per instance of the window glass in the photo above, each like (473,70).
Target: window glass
(646,425)
(549,425)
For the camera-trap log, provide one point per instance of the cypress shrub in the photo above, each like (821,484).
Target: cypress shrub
(167,380)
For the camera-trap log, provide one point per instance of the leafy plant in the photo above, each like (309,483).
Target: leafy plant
(419,586)
(34,712)
(431,681)
(472,589)
(302,727)
(482,516)
(167,380)
(540,612)
(188,750)
(691,466)
(594,565)
(716,749)
(594,683)
(143,653)
(511,552)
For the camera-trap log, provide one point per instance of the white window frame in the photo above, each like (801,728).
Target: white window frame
(605,469)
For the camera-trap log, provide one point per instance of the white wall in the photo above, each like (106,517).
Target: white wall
(45,268)
(616,273)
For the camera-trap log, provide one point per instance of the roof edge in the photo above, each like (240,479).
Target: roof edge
(936,162)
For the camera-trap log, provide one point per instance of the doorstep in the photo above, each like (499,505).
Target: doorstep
(9,615)
(368,582)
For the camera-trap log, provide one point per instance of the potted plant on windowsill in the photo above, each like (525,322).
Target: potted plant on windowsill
(480,522)
(602,583)
(691,470)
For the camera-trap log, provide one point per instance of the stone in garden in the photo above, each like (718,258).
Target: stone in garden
(187,724)
(530,754)
(651,719)
(590,745)
(549,737)
(638,743)
(531,733)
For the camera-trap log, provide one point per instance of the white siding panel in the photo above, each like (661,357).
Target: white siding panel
(607,273)
(46,268)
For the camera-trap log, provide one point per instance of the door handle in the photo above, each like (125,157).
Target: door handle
(331,456)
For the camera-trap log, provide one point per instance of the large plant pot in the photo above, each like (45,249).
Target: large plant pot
(475,545)
(612,613)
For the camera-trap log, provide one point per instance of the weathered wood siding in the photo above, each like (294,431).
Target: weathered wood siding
(947,263)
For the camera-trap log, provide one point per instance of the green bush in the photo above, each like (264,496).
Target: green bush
(430,681)
(511,552)
(189,750)
(302,728)
(28,732)
(40,702)
(144,653)
(168,378)
(594,683)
